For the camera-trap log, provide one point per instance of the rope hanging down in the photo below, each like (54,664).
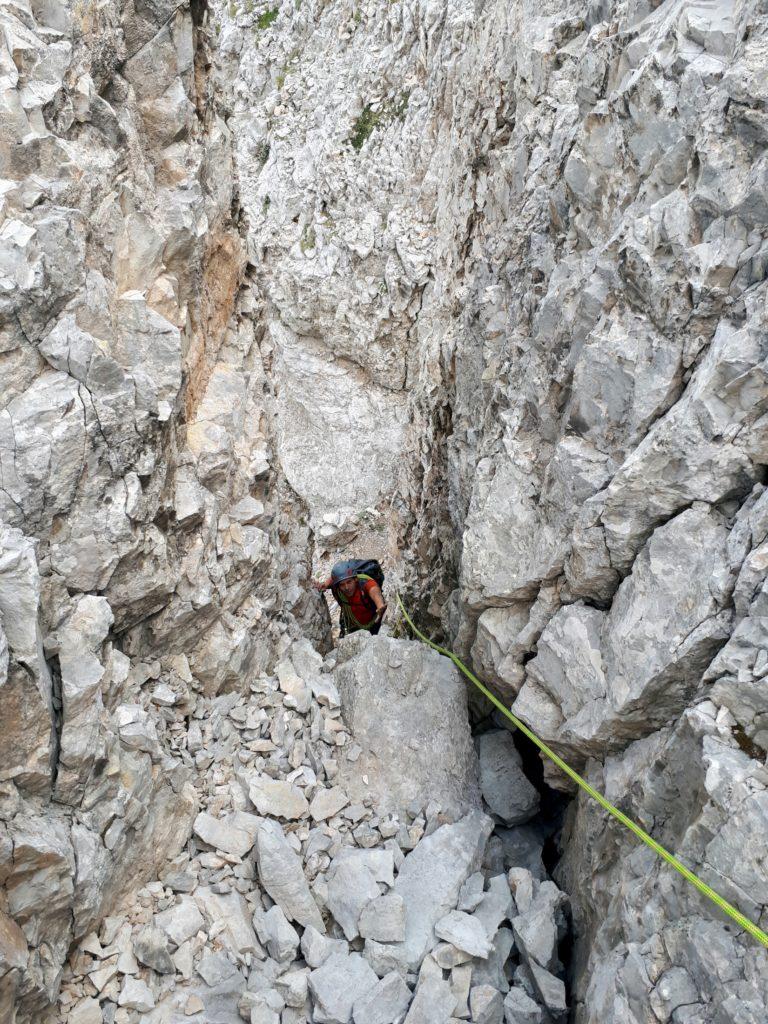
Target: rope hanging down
(704,889)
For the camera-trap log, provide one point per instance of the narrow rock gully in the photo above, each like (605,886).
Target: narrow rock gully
(358,855)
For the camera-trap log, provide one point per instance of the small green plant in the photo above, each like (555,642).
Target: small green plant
(266,18)
(262,152)
(265,203)
(357,16)
(308,239)
(370,119)
(280,80)
(363,127)
(233,10)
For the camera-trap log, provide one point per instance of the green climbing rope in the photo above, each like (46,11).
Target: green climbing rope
(704,889)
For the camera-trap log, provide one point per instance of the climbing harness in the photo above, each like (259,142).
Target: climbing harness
(704,889)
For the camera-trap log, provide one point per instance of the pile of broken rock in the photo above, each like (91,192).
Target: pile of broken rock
(308,890)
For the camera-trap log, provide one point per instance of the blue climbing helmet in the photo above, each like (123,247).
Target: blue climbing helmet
(354,567)
(344,571)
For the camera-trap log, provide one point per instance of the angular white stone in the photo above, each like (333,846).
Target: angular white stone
(280,938)
(465,932)
(233,912)
(87,1011)
(337,985)
(277,797)
(486,1005)
(519,1008)
(383,919)
(430,880)
(316,948)
(234,834)
(180,922)
(433,1003)
(351,887)
(384,1003)
(327,802)
(282,876)
(136,995)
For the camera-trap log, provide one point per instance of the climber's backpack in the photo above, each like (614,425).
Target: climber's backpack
(364,567)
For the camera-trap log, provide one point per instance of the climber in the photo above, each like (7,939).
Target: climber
(356,586)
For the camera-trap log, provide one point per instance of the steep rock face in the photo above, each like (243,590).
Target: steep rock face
(495,310)
(552,218)
(135,549)
(653,942)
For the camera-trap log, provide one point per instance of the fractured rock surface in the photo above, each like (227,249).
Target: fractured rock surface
(479,289)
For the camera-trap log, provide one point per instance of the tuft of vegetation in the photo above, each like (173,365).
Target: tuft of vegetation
(308,239)
(398,107)
(370,119)
(363,127)
(266,18)
(233,9)
(280,80)
(262,152)
(265,204)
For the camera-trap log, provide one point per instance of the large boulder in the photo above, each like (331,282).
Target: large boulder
(406,706)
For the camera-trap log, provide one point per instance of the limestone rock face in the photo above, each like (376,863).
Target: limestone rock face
(26,747)
(119,266)
(406,707)
(715,828)
(603,678)
(479,290)
(568,209)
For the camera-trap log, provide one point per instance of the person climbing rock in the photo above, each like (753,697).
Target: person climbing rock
(356,585)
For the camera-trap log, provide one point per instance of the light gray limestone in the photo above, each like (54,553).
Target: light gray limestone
(405,705)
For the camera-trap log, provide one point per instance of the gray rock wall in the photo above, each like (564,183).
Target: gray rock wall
(551,218)
(138,522)
(478,288)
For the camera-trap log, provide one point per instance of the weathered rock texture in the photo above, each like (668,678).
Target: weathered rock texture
(135,553)
(475,287)
(321,908)
(392,696)
(546,223)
